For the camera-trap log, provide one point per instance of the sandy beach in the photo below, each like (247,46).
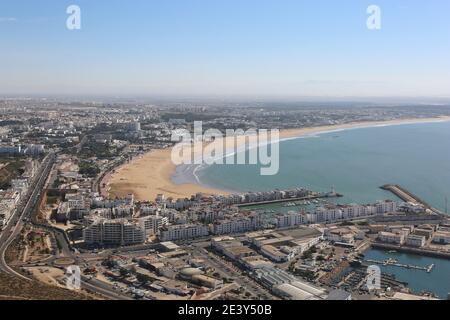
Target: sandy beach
(152,173)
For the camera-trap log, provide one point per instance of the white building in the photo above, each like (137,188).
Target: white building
(113,232)
(389,237)
(183,232)
(415,241)
(291,219)
(152,224)
(237,225)
(384,207)
(441,237)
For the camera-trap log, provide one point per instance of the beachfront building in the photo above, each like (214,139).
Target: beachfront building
(255,197)
(336,213)
(100,202)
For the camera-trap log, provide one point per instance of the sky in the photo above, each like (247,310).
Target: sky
(279,48)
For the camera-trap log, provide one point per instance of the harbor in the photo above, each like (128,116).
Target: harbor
(417,279)
(293,202)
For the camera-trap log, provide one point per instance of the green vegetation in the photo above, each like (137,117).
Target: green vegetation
(143,278)
(12,170)
(305,274)
(308,254)
(89,169)
(52,200)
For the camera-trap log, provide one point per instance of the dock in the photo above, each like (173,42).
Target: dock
(395,263)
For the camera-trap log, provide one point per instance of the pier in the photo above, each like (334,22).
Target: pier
(395,263)
(407,196)
(417,251)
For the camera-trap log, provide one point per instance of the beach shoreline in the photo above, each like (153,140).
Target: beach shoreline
(153,173)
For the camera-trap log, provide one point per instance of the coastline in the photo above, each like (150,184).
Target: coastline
(154,173)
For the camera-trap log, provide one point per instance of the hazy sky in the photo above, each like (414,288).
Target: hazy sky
(226,47)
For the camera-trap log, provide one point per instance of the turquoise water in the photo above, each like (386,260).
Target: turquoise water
(438,281)
(357,162)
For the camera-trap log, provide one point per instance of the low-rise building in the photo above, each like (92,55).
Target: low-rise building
(390,237)
(207,281)
(276,255)
(415,241)
(441,237)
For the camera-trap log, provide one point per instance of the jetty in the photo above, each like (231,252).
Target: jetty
(407,196)
(395,263)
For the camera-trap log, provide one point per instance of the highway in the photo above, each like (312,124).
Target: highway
(23,214)
(24,211)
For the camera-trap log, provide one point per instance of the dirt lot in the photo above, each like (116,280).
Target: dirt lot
(18,289)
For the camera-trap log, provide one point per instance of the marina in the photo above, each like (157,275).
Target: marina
(395,263)
(293,202)
(419,281)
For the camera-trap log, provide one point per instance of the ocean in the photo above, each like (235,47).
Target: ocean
(356,162)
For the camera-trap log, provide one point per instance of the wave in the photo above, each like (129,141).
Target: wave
(193,172)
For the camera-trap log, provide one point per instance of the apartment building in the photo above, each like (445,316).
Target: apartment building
(183,232)
(113,232)
(291,219)
(152,224)
(237,225)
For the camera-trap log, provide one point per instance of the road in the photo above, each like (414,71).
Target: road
(230,270)
(23,214)
(24,211)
